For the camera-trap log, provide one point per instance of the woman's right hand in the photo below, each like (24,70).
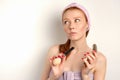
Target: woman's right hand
(57,70)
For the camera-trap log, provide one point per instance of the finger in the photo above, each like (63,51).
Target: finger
(55,57)
(94,53)
(52,58)
(89,59)
(63,58)
(61,54)
(92,56)
(86,62)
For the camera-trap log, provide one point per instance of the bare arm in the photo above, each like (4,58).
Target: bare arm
(100,68)
(46,71)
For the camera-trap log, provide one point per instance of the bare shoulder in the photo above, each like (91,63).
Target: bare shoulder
(53,50)
(101,57)
(101,60)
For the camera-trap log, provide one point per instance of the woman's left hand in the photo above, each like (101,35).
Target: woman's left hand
(89,60)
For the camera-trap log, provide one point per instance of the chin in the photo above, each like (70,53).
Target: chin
(75,38)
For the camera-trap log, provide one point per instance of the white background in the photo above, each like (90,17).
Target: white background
(29,27)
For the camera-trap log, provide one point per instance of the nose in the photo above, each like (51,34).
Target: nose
(72,26)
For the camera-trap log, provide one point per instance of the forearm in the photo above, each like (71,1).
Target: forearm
(53,77)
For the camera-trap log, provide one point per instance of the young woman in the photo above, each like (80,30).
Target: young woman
(83,63)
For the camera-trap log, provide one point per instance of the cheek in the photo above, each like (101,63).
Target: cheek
(82,29)
(66,29)
(83,26)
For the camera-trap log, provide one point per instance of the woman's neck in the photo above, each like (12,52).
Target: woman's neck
(80,45)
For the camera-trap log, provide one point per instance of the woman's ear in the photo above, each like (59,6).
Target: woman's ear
(87,27)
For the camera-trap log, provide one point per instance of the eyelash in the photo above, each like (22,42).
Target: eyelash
(77,20)
(65,22)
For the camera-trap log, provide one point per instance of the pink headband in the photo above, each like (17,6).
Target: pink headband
(81,8)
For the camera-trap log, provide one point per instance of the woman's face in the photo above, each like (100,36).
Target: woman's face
(75,24)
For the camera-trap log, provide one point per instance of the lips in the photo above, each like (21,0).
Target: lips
(72,33)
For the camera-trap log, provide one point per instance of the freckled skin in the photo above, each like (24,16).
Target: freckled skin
(79,27)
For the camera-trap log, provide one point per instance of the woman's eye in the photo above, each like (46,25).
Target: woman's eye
(77,20)
(66,22)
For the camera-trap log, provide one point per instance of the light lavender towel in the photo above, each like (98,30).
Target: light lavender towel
(69,75)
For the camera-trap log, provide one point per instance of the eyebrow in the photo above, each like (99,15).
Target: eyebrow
(65,18)
(73,18)
(77,17)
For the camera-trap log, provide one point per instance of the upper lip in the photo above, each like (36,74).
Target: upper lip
(72,32)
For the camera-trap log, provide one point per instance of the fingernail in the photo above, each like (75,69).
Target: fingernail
(59,56)
(94,51)
(82,58)
(63,56)
(87,53)
(51,59)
